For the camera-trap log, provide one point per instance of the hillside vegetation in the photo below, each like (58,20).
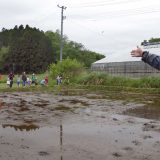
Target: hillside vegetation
(32,50)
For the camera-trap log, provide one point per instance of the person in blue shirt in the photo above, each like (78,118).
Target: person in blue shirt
(152,59)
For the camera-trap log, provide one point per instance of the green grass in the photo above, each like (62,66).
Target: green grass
(95,78)
(5,88)
(91,81)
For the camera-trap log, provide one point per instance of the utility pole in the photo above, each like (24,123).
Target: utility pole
(62,18)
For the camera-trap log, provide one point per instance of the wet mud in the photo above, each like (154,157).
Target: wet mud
(36,126)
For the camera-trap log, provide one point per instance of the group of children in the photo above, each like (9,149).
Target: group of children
(26,80)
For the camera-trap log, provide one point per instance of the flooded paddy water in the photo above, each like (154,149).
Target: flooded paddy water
(79,126)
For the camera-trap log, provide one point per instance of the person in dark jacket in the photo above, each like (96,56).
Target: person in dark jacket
(24,79)
(152,59)
(11,76)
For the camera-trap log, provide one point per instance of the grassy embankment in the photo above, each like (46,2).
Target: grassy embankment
(102,81)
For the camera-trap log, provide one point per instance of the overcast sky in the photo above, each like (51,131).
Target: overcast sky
(110,27)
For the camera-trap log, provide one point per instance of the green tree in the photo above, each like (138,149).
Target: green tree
(3,53)
(29,50)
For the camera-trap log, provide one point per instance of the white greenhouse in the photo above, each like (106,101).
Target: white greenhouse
(124,68)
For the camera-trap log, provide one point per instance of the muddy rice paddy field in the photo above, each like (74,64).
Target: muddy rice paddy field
(87,126)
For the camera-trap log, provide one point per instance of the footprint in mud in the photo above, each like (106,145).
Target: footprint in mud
(147,137)
(23,109)
(24,147)
(75,101)
(6,143)
(128,148)
(116,140)
(116,154)
(115,119)
(137,143)
(43,153)
(151,127)
(102,116)
(157,144)
(41,105)
(148,126)
(131,121)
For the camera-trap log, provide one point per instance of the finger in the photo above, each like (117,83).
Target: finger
(133,51)
(133,55)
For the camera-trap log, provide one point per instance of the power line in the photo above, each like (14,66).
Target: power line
(105,4)
(96,2)
(82,25)
(46,13)
(42,17)
(128,12)
(89,28)
(136,13)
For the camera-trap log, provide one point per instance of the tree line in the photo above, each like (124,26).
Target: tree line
(24,48)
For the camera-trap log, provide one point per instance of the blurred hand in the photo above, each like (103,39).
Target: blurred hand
(137,52)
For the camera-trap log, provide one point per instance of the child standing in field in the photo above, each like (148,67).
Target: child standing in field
(18,80)
(29,81)
(58,80)
(46,80)
(8,82)
(34,79)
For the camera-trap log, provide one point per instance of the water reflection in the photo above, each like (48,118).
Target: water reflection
(151,111)
(38,135)
(1,105)
(23,127)
(61,139)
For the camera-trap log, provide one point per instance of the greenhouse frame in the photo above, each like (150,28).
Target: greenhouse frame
(128,68)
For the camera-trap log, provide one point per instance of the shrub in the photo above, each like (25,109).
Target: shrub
(68,69)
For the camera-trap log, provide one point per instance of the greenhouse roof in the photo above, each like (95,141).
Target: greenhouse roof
(111,59)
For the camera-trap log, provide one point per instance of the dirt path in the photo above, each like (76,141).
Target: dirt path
(46,127)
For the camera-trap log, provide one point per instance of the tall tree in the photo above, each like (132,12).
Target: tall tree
(29,50)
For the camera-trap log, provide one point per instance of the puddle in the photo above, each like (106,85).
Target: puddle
(148,111)
(80,141)
(34,133)
(87,127)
